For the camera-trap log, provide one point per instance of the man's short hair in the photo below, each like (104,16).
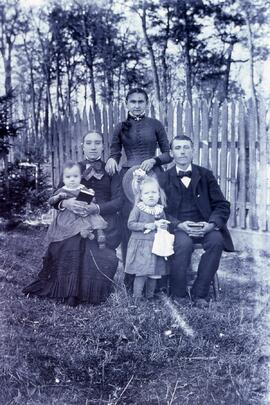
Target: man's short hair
(181,138)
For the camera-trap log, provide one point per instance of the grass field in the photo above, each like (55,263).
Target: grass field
(157,353)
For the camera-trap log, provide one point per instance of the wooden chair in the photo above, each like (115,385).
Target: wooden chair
(215,282)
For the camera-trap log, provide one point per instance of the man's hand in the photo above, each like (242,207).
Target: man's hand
(111,166)
(208,227)
(148,164)
(77,207)
(183,226)
(196,232)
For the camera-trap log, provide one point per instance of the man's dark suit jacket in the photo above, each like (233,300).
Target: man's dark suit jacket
(208,196)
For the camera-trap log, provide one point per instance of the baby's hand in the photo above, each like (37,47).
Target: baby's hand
(62,195)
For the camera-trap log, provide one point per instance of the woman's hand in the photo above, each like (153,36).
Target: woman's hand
(111,166)
(77,207)
(148,164)
(92,209)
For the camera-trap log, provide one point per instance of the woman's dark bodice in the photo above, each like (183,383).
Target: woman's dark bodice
(140,142)
(108,190)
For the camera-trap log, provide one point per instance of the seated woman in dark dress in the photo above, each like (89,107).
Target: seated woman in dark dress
(75,269)
(139,136)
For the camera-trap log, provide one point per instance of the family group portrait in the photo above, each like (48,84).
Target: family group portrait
(135,202)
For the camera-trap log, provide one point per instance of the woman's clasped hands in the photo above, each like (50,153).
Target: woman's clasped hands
(80,207)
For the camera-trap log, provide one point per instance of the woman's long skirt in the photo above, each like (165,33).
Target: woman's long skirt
(76,271)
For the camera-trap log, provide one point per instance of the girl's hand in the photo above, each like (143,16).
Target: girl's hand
(111,166)
(162,224)
(150,227)
(148,164)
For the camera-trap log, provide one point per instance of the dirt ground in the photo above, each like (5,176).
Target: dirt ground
(158,353)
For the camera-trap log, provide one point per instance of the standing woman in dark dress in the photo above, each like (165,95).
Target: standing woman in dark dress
(75,269)
(139,136)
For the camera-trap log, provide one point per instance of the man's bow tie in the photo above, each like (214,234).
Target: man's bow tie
(184,174)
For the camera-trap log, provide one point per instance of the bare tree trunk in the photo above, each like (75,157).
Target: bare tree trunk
(188,66)
(92,85)
(46,125)
(225,82)
(165,70)
(58,84)
(7,67)
(251,65)
(151,54)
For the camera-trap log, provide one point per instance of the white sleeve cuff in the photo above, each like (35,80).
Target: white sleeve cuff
(60,207)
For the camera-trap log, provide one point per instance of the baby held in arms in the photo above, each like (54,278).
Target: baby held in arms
(67,223)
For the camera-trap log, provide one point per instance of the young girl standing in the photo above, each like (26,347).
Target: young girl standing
(145,218)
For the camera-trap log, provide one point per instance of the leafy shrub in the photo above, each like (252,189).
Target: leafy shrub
(25,192)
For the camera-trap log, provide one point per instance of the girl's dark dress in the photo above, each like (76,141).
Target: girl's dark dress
(75,269)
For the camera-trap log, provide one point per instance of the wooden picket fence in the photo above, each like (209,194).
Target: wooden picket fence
(226,139)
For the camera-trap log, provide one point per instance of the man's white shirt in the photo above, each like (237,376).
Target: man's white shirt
(185,180)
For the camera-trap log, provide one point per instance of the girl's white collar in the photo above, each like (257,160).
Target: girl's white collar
(156,210)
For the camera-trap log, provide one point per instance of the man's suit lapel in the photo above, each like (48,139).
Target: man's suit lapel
(195,178)
(175,183)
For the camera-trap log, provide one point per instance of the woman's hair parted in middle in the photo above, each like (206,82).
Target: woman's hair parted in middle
(92,132)
(138,90)
(138,185)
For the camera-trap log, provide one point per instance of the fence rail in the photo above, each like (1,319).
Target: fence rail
(227,139)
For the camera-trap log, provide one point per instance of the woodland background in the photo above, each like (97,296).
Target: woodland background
(62,55)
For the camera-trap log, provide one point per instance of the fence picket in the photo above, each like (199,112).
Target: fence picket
(263,172)
(98,124)
(224,141)
(105,132)
(252,136)
(78,133)
(91,120)
(205,135)
(233,169)
(214,138)
(223,152)
(188,120)
(196,133)
(179,122)
(242,167)
(170,122)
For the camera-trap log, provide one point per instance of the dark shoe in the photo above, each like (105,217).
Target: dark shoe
(72,301)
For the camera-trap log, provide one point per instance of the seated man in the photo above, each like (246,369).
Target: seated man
(198,212)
